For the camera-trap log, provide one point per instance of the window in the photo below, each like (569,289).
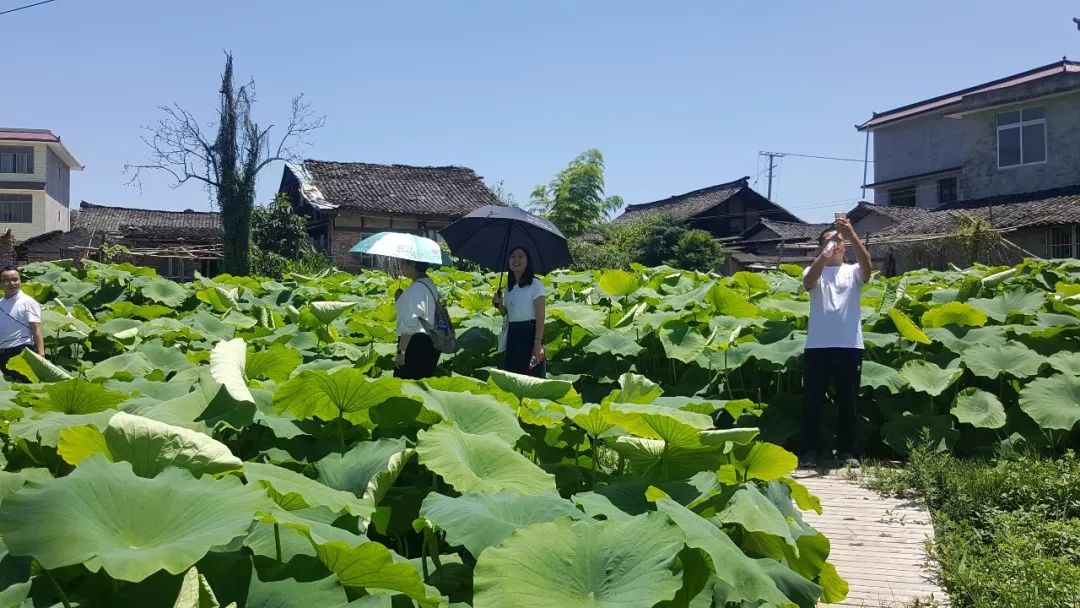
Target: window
(902,197)
(16,159)
(946,190)
(1021,137)
(16,208)
(1061,242)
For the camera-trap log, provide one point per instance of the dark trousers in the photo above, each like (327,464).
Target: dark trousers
(420,359)
(520,338)
(841,367)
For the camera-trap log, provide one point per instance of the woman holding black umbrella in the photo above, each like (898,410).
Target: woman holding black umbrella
(524,309)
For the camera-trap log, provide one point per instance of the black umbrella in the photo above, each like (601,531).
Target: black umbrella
(488,235)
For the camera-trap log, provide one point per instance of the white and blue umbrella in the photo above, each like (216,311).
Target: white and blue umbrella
(403,247)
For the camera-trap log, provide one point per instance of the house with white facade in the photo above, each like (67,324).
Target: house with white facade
(35,182)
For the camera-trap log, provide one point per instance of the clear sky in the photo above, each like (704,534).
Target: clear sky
(677,95)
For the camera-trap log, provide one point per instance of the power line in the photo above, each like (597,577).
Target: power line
(26,6)
(849,160)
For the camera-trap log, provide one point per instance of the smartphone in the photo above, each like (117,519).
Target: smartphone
(839,215)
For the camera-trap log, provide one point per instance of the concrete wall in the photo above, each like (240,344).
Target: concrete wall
(919,145)
(57,179)
(56,215)
(39,214)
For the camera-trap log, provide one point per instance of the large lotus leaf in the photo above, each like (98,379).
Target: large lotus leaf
(750,282)
(37,368)
(15,595)
(598,506)
(77,443)
(127,310)
(764,461)
(168,360)
(798,309)
(876,375)
(1065,362)
(275,363)
(591,417)
(210,326)
(475,414)
(578,315)
(747,580)
(479,521)
(682,342)
(227,363)
(78,396)
(899,431)
(104,516)
(479,463)
(290,593)
(748,507)
(373,566)
(726,301)
(1013,359)
(779,353)
(928,378)
(1054,402)
(979,409)
(802,592)
(45,429)
(293,491)
(13,481)
(220,298)
(585,564)
(124,366)
(528,387)
(694,296)
(635,388)
(614,343)
(296,531)
(676,427)
(907,328)
(1003,306)
(344,393)
(151,446)
(326,312)
(120,329)
(164,291)
(954,313)
(195,592)
(619,283)
(656,460)
(367,470)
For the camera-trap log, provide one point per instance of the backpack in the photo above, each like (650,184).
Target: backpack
(442,331)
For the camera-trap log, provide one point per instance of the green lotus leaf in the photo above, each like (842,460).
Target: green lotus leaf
(293,491)
(928,378)
(104,516)
(151,446)
(121,329)
(751,282)
(726,301)
(227,363)
(195,592)
(657,461)
(748,507)
(76,443)
(682,342)
(1065,362)
(614,343)
(675,427)
(474,414)
(588,318)
(166,292)
(275,363)
(1011,303)
(479,521)
(802,496)
(147,312)
(598,506)
(747,580)
(765,461)
(45,429)
(979,409)
(297,532)
(899,431)
(1013,359)
(1054,402)
(367,470)
(124,366)
(619,283)
(37,368)
(327,312)
(694,296)
(635,388)
(802,592)
(907,328)
(797,309)
(373,566)
(290,593)
(591,417)
(346,393)
(779,353)
(15,595)
(210,326)
(876,375)
(479,463)
(13,481)
(528,387)
(78,396)
(168,360)
(954,313)
(584,564)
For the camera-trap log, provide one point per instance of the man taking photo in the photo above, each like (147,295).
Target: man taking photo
(20,319)
(834,341)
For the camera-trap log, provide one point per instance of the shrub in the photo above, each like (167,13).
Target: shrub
(697,250)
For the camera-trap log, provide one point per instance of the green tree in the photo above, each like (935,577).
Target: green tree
(574,199)
(697,250)
(280,242)
(229,164)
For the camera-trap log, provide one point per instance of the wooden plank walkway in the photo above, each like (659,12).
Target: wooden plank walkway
(878,543)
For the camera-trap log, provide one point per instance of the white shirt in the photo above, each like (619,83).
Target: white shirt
(835,316)
(519,301)
(417,302)
(16,315)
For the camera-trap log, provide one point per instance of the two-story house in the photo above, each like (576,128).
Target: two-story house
(1005,151)
(35,182)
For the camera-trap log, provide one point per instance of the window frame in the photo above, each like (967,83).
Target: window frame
(17,152)
(955,189)
(914,195)
(1072,244)
(17,199)
(998,128)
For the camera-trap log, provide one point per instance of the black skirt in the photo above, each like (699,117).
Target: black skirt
(421,357)
(520,338)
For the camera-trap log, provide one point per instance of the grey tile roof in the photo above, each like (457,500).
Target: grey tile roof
(149,224)
(791,231)
(685,206)
(400,189)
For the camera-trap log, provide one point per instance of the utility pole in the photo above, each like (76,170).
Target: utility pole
(772,166)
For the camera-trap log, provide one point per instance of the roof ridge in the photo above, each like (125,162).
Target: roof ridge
(90,205)
(1021,197)
(743,180)
(390,166)
(24,130)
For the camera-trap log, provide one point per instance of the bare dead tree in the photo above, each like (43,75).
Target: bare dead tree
(229,164)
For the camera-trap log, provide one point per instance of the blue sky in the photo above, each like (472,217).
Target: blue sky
(677,95)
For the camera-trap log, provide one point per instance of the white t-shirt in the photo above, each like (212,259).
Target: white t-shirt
(519,301)
(16,315)
(417,302)
(835,316)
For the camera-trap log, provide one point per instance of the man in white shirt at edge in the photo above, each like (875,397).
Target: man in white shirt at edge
(20,319)
(834,342)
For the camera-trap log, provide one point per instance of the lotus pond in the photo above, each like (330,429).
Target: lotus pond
(237,441)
